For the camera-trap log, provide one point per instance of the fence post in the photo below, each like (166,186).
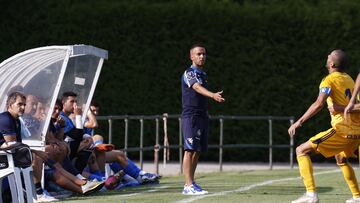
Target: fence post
(157,147)
(141,142)
(110,130)
(180,146)
(166,141)
(270,145)
(126,120)
(221,143)
(291,148)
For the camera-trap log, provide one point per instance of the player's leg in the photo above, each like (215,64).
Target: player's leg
(93,170)
(328,143)
(194,162)
(306,171)
(349,175)
(119,161)
(303,151)
(201,126)
(350,146)
(72,183)
(96,169)
(187,167)
(192,148)
(305,165)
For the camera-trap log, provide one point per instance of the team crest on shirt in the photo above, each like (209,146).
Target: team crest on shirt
(190,140)
(190,75)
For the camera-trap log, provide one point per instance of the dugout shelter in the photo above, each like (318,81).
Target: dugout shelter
(43,74)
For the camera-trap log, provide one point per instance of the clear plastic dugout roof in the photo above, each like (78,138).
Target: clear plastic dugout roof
(43,74)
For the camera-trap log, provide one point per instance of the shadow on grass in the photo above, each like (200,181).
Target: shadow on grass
(124,191)
(281,190)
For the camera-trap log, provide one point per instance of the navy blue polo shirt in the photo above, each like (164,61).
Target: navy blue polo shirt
(193,103)
(9,126)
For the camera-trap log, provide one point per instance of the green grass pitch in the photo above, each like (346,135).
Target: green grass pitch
(244,186)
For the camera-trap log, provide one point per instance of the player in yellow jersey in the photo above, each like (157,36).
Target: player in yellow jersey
(341,140)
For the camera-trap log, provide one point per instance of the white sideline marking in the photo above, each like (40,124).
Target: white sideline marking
(146,191)
(245,188)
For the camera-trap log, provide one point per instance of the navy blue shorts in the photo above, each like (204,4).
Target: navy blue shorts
(195,133)
(49,174)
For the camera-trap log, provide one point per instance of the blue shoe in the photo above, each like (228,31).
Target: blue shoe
(192,190)
(198,187)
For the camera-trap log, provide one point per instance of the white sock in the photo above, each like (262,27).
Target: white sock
(80,177)
(311,194)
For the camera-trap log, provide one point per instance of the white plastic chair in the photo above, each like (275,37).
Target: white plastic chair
(15,181)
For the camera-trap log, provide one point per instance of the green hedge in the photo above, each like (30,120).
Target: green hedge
(267,56)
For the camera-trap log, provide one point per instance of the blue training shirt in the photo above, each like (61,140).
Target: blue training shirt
(69,125)
(193,103)
(88,131)
(9,126)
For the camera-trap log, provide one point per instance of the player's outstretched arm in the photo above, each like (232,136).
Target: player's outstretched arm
(203,91)
(312,110)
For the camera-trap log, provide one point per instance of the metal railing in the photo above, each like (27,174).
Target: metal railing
(157,147)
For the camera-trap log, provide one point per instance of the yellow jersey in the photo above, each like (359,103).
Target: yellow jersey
(339,86)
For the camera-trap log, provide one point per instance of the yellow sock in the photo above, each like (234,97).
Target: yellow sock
(306,172)
(350,178)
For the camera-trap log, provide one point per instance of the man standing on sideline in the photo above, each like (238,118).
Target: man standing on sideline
(341,140)
(195,119)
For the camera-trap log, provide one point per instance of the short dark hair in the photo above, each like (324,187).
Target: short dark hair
(94,103)
(12,98)
(339,58)
(196,45)
(65,96)
(59,103)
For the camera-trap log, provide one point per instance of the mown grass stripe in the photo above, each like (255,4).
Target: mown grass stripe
(249,187)
(146,191)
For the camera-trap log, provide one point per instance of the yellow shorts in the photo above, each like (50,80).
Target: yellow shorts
(330,142)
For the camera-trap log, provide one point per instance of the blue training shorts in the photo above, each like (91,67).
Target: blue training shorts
(195,133)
